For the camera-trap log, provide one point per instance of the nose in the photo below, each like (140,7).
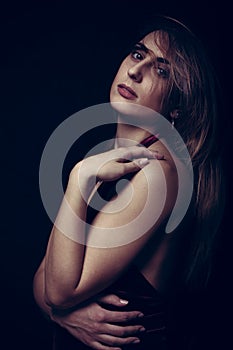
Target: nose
(137,71)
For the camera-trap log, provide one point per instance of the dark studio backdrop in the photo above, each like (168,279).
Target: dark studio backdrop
(58,57)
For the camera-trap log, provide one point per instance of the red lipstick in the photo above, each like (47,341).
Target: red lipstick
(126,92)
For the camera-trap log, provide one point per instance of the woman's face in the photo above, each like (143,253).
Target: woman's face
(142,76)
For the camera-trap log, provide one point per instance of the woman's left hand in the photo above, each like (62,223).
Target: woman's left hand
(100,328)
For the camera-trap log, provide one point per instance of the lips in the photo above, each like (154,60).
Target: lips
(126,92)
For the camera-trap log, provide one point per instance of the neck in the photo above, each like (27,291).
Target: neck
(128,135)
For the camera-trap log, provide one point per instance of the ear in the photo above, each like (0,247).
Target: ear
(175,113)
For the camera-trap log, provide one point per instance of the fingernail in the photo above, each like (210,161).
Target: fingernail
(140,315)
(156,155)
(143,161)
(122,301)
(142,329)
(136,341)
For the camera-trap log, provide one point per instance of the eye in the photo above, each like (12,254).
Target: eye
(136,55)
(164,73)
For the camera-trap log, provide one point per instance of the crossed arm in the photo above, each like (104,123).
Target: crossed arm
(91,322)
(73,272)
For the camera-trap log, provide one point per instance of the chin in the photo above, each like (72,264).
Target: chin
(134,111)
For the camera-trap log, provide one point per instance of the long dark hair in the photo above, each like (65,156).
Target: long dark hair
(192,88)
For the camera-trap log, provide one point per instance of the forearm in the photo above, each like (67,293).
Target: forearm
(65,251)
(39,295)
(74,270)
(84,323)
(38,291)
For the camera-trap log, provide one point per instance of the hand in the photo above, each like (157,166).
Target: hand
(93,325)
(124,160)
(110,166)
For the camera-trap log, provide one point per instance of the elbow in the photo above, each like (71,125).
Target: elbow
(50,294)
(58,299)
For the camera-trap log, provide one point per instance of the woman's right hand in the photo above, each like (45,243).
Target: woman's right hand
(94,325)
(109,166)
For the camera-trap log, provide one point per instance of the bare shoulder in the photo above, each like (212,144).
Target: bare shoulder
(156,169)
(158,178)
(168,161)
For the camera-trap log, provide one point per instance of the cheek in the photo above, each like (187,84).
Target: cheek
(113,89)
(153,97)
(114,85)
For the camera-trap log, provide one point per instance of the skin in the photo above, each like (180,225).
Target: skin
(144,74)
(92,323)
(66,277)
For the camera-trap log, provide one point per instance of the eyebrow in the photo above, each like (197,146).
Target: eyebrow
(142,47)
(162,60)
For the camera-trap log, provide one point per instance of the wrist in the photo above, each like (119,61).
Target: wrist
(81,183)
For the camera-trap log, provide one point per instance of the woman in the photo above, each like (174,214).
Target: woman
(167,72)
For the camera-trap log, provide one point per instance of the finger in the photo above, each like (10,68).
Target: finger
(141,162)
(121,316)
(112,299)
(94,344)
(123,332)
(138,152)
(158,155)
(133,166)
(118,341)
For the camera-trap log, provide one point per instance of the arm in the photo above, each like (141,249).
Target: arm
(74,272)
(91,323)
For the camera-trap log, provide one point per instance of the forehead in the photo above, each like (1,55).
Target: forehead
(155,43)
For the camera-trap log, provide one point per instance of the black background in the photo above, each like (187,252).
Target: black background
(58,57)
